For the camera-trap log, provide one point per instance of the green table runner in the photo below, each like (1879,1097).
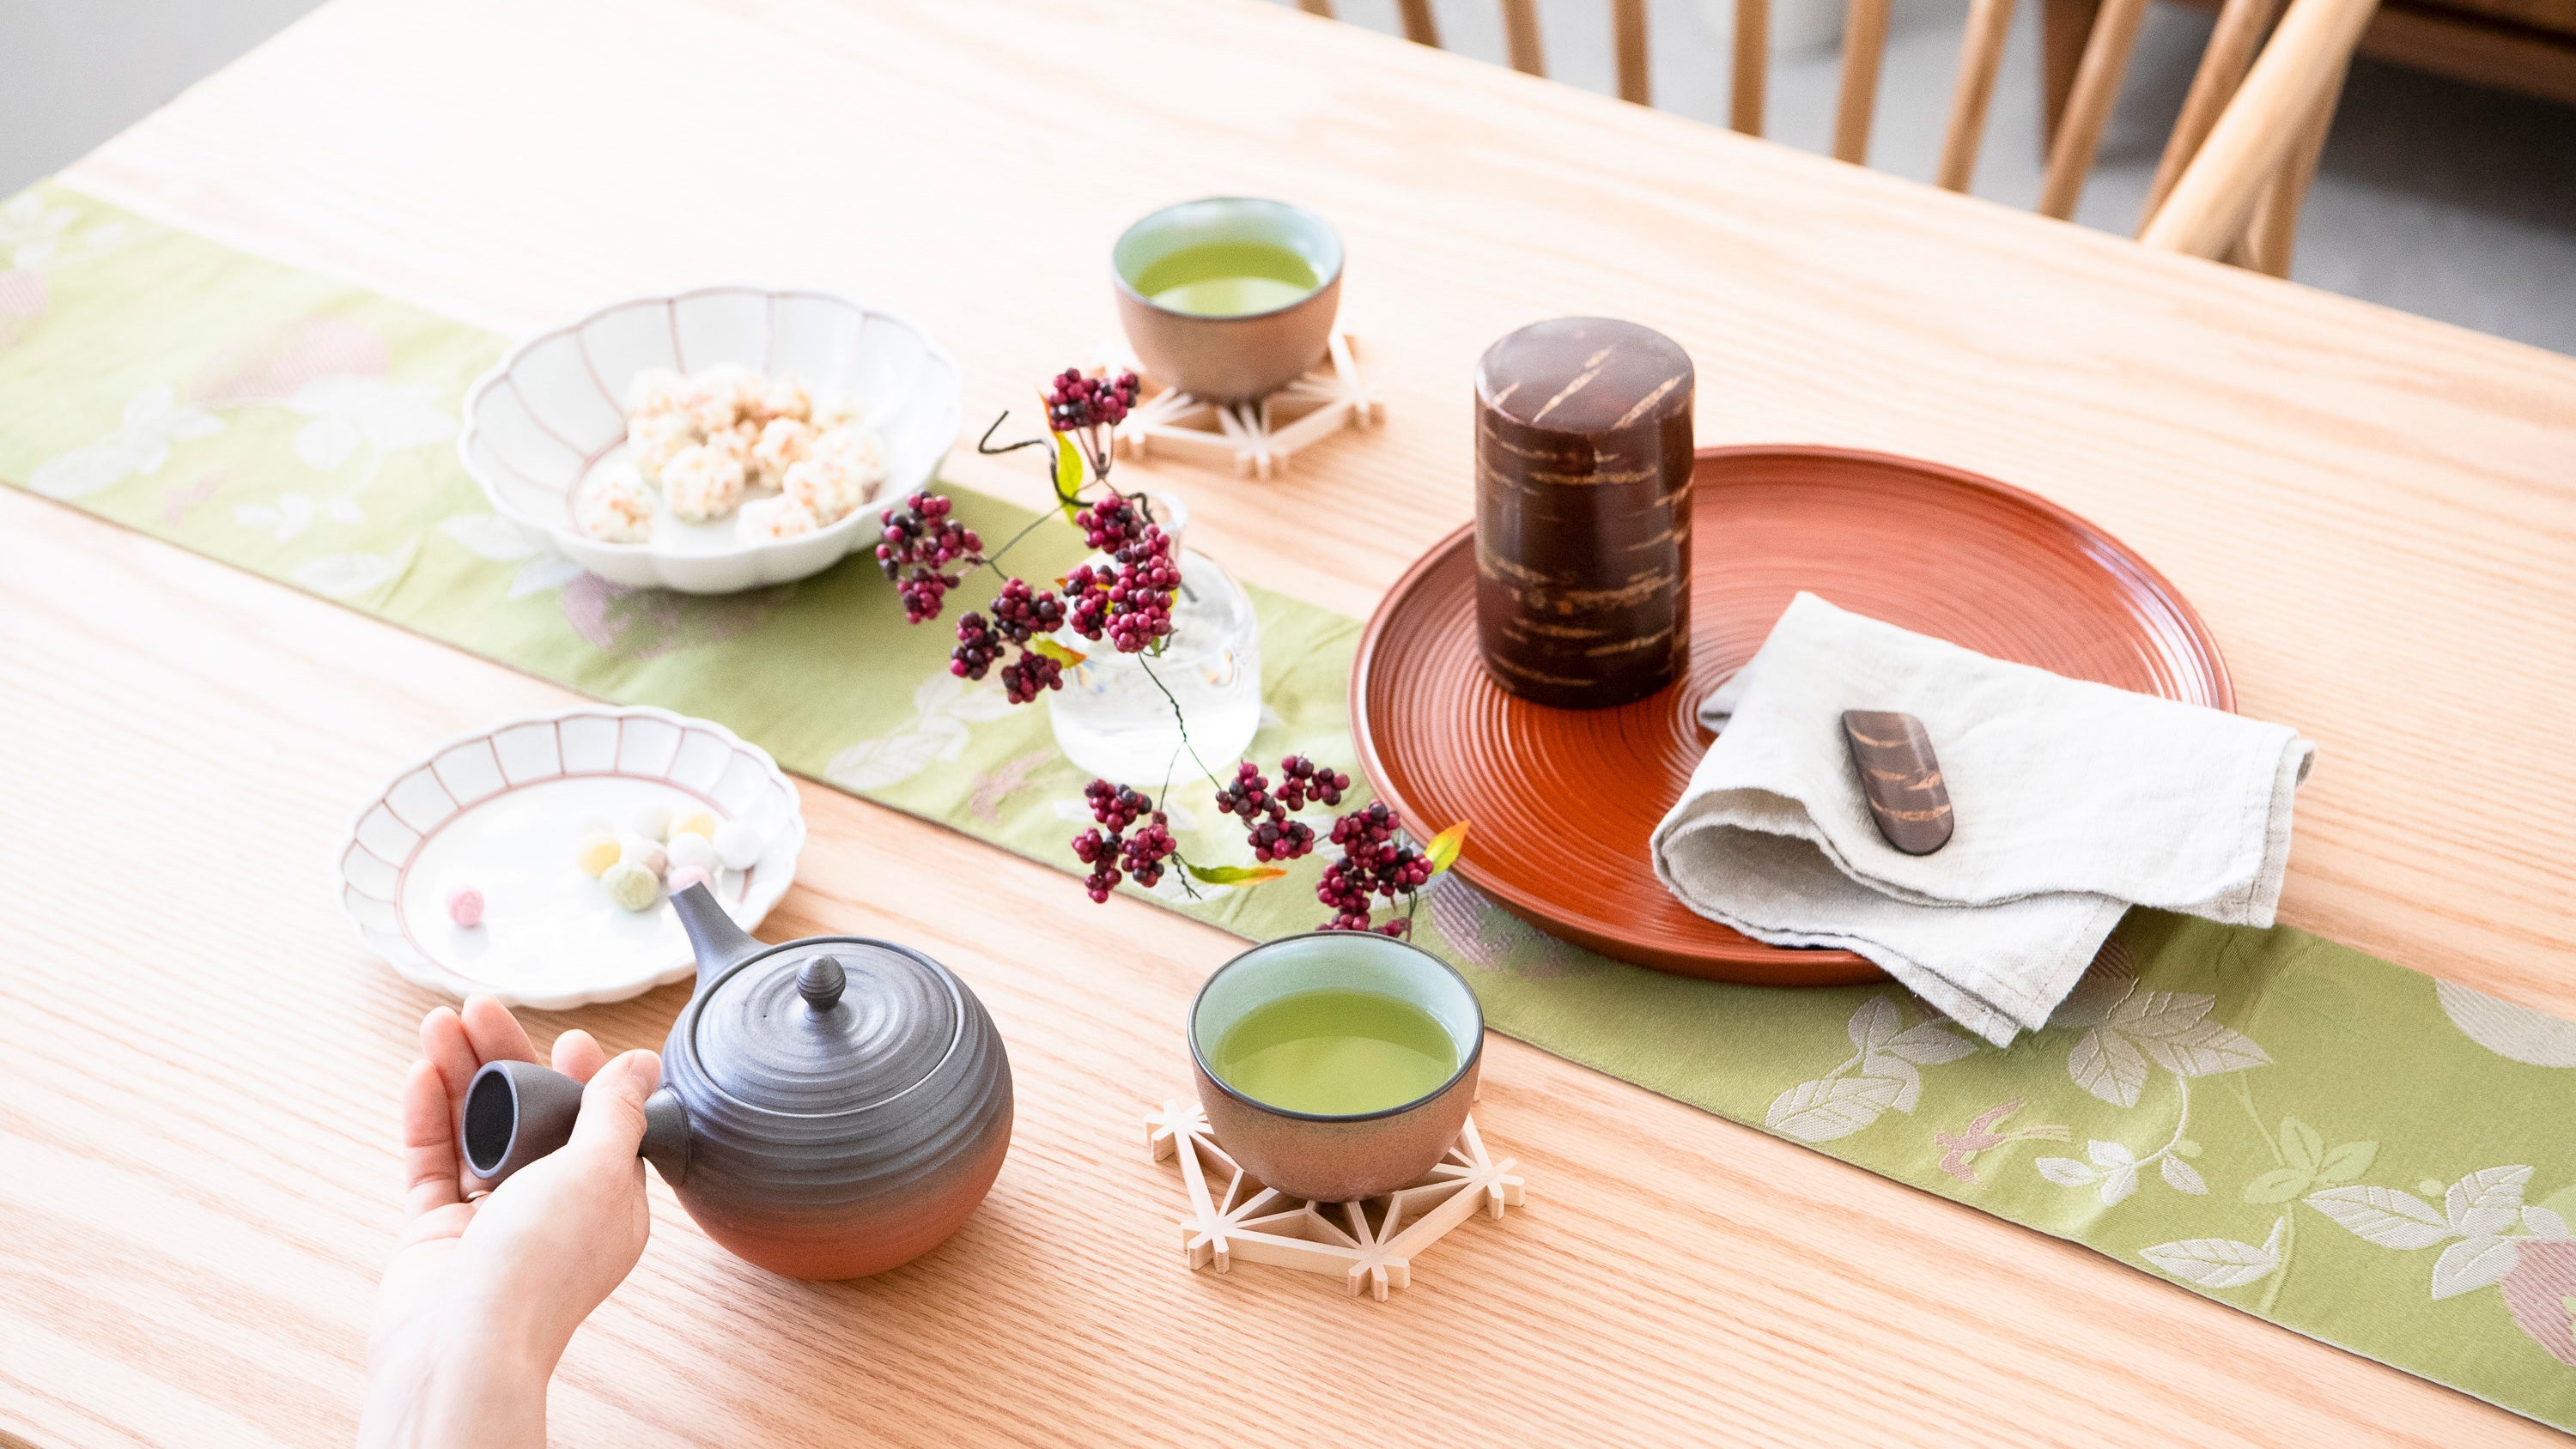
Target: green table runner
(2341,1146)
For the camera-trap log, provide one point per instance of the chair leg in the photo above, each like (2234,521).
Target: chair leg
(1752,62)
(2274,232)
(1981,53)
(1628,33)
(1419,26)
(1317,7)
(2088,106)
(1864,45)
(2064,26)
(1520,37)
(2232,44)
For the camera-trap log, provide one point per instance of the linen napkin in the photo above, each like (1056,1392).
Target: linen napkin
(2071,801)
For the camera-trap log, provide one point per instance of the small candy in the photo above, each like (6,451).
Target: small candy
(597,852)
(689,851)
(650,821)
(631,886)
(685,876)
(465,906)
(737,845)
(646,855)
(695,822)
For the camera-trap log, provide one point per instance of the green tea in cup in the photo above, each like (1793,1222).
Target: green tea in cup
(1227,278)
(1336,1052)
(1228,298)
(1336,1065)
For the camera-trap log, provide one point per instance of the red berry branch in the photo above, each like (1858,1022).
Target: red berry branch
(1081,407)
(1128,601)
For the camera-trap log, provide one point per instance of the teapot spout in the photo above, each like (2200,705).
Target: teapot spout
(713,937)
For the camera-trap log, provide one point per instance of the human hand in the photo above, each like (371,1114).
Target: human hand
(485,1289)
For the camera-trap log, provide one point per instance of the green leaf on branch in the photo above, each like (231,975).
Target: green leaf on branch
(1068,474)
(1229,875)
(1444,847)
(1057,652)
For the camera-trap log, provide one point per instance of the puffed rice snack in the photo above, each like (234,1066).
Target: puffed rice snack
(654,439)
(703,482)
(778,397)
(826,485)
(614,509)
(860,448)
(783,444)
(719,395)
(656,390)
(769,518)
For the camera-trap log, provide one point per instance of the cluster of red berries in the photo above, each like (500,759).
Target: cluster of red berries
(1267,828)
(1264,811)
(1301,779)
(1075,401)
(921,546)
(1121,843)
(1130,604)
(1021,616)
(1134,840)
(1374,863)
(1111,524)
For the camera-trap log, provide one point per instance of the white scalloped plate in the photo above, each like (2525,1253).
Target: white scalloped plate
(552,413)
(502,811)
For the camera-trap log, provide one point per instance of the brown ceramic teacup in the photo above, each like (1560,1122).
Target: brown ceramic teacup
(1229,355)
(1337,1158)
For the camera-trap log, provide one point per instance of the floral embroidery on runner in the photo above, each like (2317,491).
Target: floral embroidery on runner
(2495,1241)
(2127,1033)
(1881,1074)
(1960,1149)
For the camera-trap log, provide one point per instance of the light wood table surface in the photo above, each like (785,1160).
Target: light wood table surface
(198,1065)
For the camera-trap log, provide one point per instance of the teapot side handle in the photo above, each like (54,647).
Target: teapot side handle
(666,1136)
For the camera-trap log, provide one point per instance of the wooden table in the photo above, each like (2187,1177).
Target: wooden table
(197,1064)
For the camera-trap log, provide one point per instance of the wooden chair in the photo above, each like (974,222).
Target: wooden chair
(2231,179)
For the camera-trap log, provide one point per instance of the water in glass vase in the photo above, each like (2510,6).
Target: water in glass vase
(1336,1052)
(1113,718)
(1227,279)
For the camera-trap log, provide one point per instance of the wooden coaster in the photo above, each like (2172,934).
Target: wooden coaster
(1372,1242)
(1258,436)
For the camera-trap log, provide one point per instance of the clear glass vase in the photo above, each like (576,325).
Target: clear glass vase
(1116,716)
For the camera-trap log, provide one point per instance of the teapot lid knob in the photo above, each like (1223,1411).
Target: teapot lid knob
(820,982)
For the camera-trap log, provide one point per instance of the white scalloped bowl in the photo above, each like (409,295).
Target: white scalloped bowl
(552,413)
(502,810)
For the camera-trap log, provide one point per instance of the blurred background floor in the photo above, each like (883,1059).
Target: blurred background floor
(2436,197)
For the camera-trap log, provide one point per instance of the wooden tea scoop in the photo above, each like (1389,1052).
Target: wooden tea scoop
(1900,777)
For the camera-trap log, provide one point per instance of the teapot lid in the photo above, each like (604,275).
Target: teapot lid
(826,1026)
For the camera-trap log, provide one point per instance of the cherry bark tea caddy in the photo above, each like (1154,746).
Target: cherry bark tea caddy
(1583,511)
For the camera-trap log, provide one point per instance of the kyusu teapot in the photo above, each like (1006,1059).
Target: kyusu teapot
(829,1108)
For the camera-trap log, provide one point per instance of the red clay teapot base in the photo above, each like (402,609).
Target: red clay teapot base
(867,1239)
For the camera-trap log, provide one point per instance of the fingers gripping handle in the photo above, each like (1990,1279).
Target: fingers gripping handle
(517,1112)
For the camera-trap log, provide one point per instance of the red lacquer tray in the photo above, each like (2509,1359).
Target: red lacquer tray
(1562,801)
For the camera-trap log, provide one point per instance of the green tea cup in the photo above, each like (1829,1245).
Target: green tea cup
(1228,298)
(1338,1156)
